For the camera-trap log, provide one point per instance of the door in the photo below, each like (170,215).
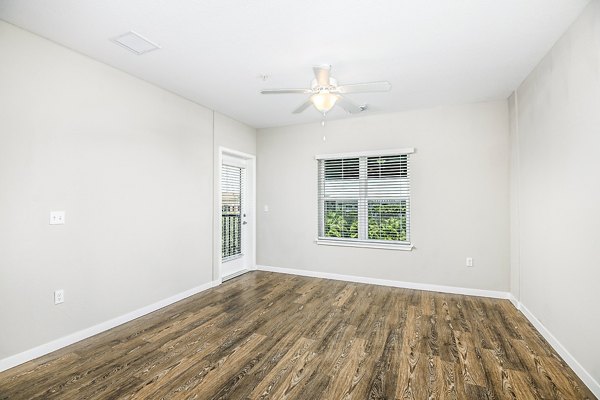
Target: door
(234,217)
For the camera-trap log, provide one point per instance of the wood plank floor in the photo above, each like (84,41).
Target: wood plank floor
(275,336)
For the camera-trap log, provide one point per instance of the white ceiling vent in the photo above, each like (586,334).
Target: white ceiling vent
(136,43)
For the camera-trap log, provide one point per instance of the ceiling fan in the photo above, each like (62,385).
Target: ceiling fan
(325,93)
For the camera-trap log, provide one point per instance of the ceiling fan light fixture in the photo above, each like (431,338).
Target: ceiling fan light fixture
(323,101)
(325,93)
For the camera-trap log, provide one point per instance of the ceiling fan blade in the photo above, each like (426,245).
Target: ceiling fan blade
(383,86)
(303,107)
(322,74)
(283,91)
(348,105)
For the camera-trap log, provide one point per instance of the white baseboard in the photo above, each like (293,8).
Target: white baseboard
(590,382)
(54,345)
(387,282)
(514,300)
(64,341)
(583,374)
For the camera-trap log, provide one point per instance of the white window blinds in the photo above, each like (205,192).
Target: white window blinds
(365,198)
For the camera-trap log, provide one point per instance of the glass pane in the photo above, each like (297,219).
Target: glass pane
(341,169)
(341,219)
(231,221)
(387,166)
(387,220)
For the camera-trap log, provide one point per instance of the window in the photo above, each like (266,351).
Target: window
(364,199)
(232,179)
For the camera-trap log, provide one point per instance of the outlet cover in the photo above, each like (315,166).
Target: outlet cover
(57,217)
(469,261)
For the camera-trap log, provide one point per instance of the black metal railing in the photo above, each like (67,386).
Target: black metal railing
(231,235)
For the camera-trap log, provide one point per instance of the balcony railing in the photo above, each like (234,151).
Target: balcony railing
(231,236)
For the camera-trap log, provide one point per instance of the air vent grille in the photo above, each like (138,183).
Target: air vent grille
(135,43)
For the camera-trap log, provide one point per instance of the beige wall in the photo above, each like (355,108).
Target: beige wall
(132,166)
(559,190)
(460,194)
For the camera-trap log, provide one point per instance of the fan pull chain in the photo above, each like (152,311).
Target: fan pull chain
(323,124)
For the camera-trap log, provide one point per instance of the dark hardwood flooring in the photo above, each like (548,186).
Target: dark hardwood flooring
(275,336)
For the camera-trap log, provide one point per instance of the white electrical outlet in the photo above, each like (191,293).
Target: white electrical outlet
(59,296)
(469,261)
(57,217)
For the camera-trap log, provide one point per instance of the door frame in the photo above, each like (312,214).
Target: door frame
(251,207)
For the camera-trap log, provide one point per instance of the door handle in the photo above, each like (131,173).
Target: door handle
(244,223)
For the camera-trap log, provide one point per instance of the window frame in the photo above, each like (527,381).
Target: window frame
(363,202)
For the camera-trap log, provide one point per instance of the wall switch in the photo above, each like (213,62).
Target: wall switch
(266,208)
(57,217)
(469,261)
(59,296)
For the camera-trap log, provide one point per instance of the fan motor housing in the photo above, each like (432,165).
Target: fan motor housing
(314,85)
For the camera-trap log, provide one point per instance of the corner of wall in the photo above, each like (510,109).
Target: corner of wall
(515,273)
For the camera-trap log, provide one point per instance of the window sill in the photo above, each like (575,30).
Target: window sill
(344,243)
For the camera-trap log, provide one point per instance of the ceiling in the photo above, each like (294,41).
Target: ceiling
(213,52)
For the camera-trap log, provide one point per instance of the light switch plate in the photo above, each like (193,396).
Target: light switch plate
(57,217)
(59,296)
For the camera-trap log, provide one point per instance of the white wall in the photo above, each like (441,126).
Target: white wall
(132,166)
(514,199)
(559,190)
(460,194)
(234,135)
